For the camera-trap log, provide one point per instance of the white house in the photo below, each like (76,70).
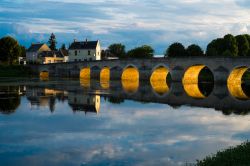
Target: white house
(85,51)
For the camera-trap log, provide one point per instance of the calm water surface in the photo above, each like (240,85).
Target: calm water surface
(72,122)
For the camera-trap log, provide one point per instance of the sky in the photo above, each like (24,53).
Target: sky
(131,22)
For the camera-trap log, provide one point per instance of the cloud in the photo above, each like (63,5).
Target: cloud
(158,23)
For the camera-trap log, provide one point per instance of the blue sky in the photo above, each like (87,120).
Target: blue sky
(131,22)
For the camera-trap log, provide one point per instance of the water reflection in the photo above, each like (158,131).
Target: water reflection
(9,99)
(132,128)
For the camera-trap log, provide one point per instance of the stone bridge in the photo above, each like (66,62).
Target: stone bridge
(220,67)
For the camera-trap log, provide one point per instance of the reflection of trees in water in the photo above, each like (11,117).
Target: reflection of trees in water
(9,99)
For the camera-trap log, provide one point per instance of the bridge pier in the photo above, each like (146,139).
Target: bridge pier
(95,74)
(220,75)
(115,74)
(177,74)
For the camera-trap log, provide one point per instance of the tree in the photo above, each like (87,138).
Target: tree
(231,44)
(9,50)
(52,42)
(175,50)
(243,45)
(216,47)
(118,50)
(63,47)
(144,51)
(22,51)
(194,50)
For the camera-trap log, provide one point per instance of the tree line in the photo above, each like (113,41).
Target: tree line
(229,45)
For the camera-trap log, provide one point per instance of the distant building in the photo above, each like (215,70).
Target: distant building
(107,55)
(34,50)
(46,57)
(84,51)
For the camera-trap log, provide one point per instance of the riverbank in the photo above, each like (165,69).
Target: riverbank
(238,155)
(14,71)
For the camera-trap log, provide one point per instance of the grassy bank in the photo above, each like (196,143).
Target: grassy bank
(239,155)
(14,71)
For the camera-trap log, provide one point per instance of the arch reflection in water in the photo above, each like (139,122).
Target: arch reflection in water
(160,80)
(44,75)
(130,80)
(105,77)
(236,83)
(85,82)
(198,81)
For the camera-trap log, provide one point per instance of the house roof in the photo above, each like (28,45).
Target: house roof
(60,53)
(35,47)
(83,45)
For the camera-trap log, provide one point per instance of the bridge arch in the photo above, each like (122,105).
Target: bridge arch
(236,82)
(44,75)
(85,73)
(160,79)
(198,81)
(105,77)
(130,79)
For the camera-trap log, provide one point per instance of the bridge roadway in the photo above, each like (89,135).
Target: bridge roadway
(221,67)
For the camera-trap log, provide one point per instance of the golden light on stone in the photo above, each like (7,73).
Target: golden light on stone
(130,86)
(130,79)
(104,84)
(85,82)
(190,81)
(234,83)
(44,75)
(158,80)
(105,74)
(85,73)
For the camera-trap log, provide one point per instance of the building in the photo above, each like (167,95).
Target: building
(59,56)
(34,50)
(85,51)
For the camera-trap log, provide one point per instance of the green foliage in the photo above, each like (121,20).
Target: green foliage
(52,42)
(117,50)
(9,50)
(231,44)
(227,53)
(215,47)
(144,51)
(23,51)
(194,50)
(9,100)
(239,155)
(175,50)
(243,45)
(14,71)
(63,47)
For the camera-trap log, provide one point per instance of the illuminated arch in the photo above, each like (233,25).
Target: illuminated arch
(158,80)
(105,74)
(234,83)
(44,75)
(130,79)
(85,73)
(191,81)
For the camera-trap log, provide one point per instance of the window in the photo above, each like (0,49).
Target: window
(49,61)
(88,52)
(75,60)
(75,52)
(79,60)
(90,59)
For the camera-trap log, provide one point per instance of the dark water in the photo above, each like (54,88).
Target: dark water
(69,122)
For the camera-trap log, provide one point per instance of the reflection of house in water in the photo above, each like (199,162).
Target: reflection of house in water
(84,102)
(42,97)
